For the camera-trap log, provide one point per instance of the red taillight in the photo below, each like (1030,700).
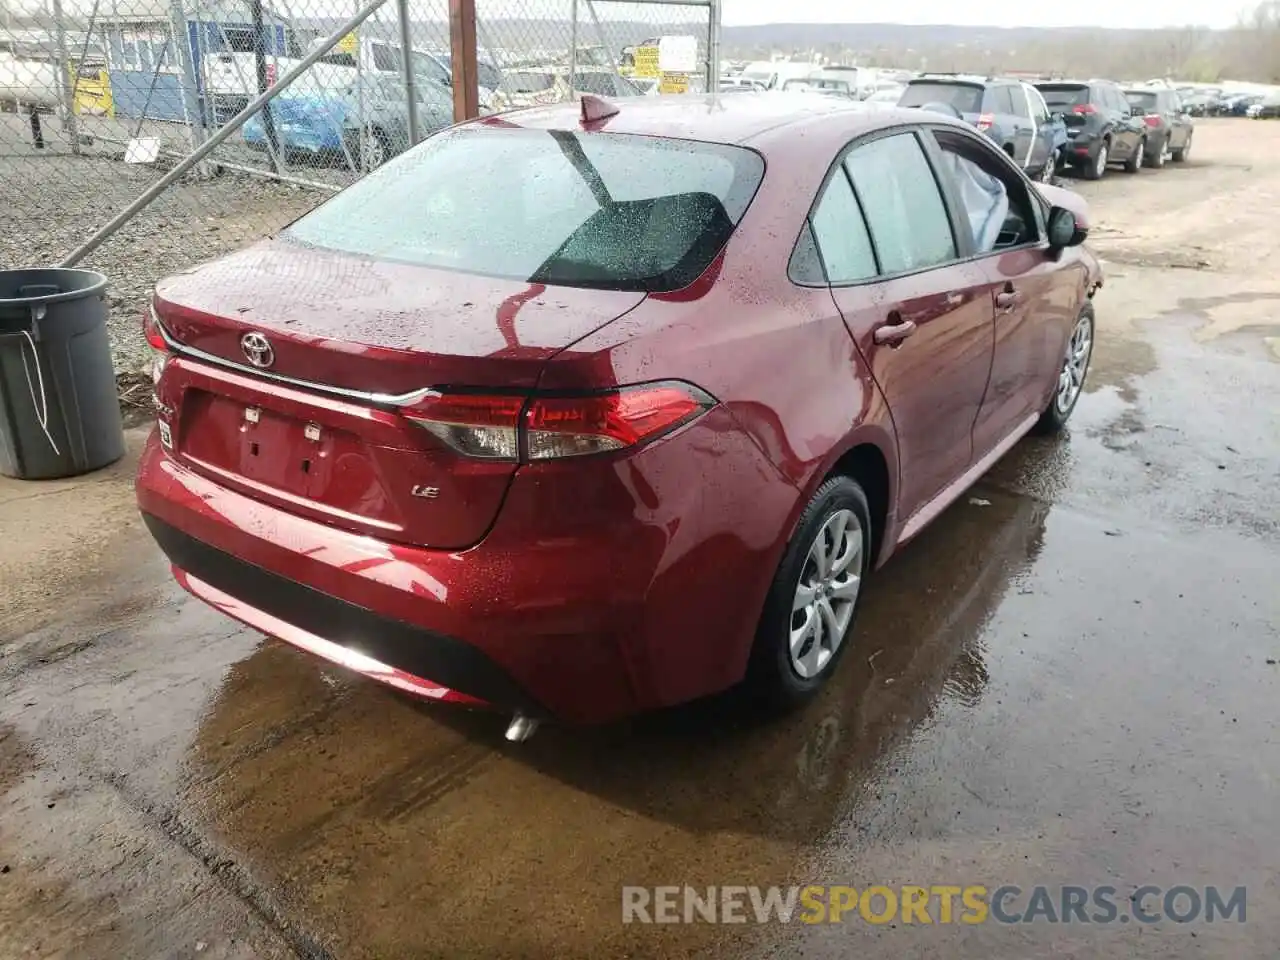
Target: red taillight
(154,333)
(479,425)
(986,120)
(1152,119)
(151,330)
(1084,108)
(547,427)
(571,426)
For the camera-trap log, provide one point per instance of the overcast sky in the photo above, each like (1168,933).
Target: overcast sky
(1013,13)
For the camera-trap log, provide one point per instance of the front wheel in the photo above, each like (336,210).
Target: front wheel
(1050,168)
(1071,375)
(813,601)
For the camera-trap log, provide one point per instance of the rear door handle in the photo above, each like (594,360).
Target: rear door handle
(892,334)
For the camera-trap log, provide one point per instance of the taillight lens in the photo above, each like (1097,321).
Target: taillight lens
(985,121)
(571,426)
(478,425)
(548,426)
(1084,108)
(1152,119)
(152,330)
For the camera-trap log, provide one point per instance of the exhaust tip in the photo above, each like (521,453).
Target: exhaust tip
(521,728)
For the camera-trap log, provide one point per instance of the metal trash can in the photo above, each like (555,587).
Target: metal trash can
(59,415)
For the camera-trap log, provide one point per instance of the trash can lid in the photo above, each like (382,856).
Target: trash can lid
(36,285)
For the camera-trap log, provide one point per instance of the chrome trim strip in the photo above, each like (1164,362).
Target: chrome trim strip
(376,399)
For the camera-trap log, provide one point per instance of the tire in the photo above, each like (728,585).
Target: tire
(1097,168)
(377,149)
(1050,168)
(1134,163)
(1156,160)
(776,674)
(1060,407)
(1181,153)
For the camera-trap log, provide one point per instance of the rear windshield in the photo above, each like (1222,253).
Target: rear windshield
(965,97)
(524,81)
(1064,96)
(1139,98)
(611,211)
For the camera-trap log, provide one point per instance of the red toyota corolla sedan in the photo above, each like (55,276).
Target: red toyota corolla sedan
(580,412)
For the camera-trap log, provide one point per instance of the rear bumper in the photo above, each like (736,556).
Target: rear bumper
(419,661)
(645,592)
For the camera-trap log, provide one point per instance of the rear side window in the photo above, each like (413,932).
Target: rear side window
(965,97)
(610,211)
(904,208)
(1058,97)
(999,100)
(841,234)
(1019,99)
(1149,102)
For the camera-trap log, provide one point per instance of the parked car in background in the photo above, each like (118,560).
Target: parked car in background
(504,422)
(1101,126)
(546,85)
(1201,104)
(1169,127)
(328,129)
(1010,112)
(836,84)
(1268,108)
(887,94)
(772,74)
(740,84)
(1237,105)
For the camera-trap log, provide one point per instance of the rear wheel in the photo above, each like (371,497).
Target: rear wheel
(1156,160)
(1134,163)
(375,149)
(1071,376)
(814,598)
(1098,169)
(1181,153)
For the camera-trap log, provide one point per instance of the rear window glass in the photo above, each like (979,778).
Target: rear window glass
(1064,96)
(611,211)
(963,96)
(1138,98)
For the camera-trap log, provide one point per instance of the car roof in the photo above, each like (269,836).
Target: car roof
(764,120)
(968,79)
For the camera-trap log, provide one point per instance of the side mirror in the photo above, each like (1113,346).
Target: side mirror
(1064,229)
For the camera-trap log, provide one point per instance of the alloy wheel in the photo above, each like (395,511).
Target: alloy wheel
(1100,165)
(826,593)
(1075,366)
(1050,167)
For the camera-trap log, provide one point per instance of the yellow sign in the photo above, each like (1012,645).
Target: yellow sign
(347,44)
(93,94)
(646,59)
(674,83)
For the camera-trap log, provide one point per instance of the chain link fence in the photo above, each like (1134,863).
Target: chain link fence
(100,99)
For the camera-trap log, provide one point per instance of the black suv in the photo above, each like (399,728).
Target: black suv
(1101,125)
(1169,126)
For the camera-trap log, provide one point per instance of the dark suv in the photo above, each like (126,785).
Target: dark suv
(1010,112)
(1169,125)
(1101,127)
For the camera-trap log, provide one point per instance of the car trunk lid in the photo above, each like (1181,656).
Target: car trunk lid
(312,425)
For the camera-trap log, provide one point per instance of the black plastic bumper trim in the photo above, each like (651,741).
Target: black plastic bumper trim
(430,656)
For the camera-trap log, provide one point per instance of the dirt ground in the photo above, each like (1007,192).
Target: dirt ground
(1070,679)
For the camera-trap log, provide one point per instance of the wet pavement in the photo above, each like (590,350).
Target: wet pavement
(1069,679)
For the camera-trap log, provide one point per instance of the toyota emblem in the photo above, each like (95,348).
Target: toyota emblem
(257,349)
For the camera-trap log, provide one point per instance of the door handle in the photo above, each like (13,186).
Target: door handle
(892,334)
(1006,300)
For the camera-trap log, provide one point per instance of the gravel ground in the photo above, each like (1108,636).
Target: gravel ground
(53,202)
